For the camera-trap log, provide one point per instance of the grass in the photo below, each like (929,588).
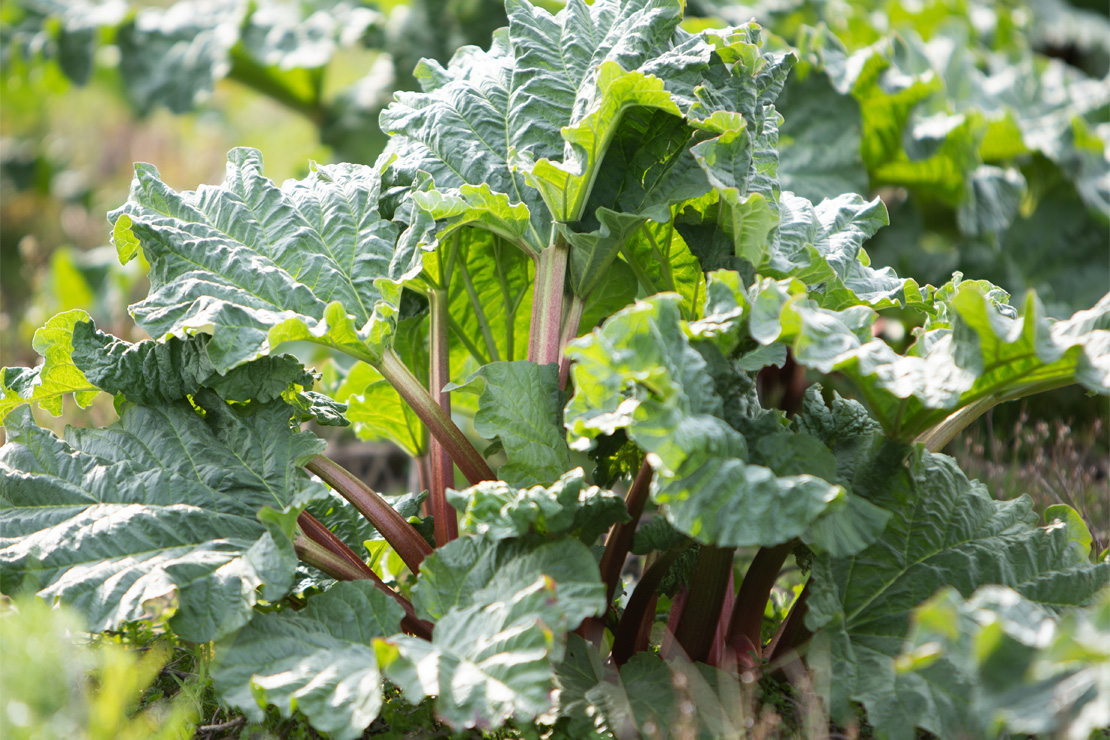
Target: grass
(1055,461)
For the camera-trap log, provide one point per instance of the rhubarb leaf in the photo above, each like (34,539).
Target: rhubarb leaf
(473,571)
(498,511)
(486,663)
(640,372)
(945,531)
(503,612)
(157,516)
(319,660)
(150,373)
(1006,658)
(520,405)
(978,351)
(254,265)
(57,376)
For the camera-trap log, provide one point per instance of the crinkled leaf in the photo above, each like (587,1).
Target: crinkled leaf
(151,373)
(945,531)
(57,376)
(486,663)
(254,265)
(319,660)
(520,405)
(474,571)
(498,510)
(157,516)
(503,612)
(1005,660)
(640,372)
(585,119)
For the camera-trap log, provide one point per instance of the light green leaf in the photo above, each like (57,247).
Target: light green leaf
(945,531)
(662,262)
(498,511)
(158,516)
(48,383)
(566,185)
(319,660)
(475,206)
(377,412)
(520,404)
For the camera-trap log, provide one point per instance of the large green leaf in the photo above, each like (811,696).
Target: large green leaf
(819,140)
(167,514)
(57,376)
(319,660)
(150,373)
(161,372)
(503,610)
(520,405)
(486,663)
(254,265)
(640,372)
(585,121)
(473,570)
(945,531)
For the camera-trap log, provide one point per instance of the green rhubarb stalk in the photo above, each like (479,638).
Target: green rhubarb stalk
(469,460)
(321,535)
(547,305)
(397,532)
(570,331)
(442,469)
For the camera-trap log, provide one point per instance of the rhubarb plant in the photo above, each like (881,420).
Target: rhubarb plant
(556,289)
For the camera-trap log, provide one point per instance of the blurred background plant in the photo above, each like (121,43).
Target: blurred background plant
(58,683)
